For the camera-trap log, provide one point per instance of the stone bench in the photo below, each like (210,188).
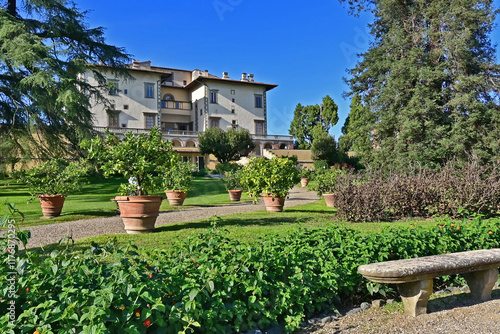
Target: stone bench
(414,276)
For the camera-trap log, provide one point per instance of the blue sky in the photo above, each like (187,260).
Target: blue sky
(305,47)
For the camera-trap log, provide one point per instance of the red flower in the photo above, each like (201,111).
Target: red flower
(150,275)
(147,322)
(490,232)
(28,289)
(147,267)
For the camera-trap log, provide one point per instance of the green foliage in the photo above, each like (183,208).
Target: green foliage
(325,181)
(311,121)
(320,165)
(226,167)
(429,81)
(270,176)
(143,159)
(54,177)
(217,284)
(226,146)
(233,179)
(357,129)
(178,177)
(324,147)
(44,106)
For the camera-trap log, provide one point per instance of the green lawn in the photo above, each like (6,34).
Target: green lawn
(94,199)
(247,227)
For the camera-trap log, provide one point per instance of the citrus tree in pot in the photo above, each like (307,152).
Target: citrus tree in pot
(325,183)
(271,179)
(142,159)
(177,181)
(234,185)
(52,181)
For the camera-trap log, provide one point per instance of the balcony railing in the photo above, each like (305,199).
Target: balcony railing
(185,133)
(176,105)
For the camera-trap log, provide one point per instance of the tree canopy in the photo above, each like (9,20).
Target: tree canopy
(430,80)
(313,120)
(44,106)
(227,145)
(357,129)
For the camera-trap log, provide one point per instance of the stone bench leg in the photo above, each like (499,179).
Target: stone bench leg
(415,296)
(481,283)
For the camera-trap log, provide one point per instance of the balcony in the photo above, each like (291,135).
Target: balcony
(180,105)
(165,132)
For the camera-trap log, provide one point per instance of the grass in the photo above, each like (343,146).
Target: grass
(245,227)
(94,199)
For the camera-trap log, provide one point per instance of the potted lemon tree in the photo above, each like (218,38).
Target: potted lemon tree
(51,182)
(142,159)
(325,184)
(270,179)
(177,181)
(233,184)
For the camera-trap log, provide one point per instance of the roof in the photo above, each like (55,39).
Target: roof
(268,86)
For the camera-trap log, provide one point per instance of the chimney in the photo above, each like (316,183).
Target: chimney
(244,77)
(135,63)
(250,77)
(225,75)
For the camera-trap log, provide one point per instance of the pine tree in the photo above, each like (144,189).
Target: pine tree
(45,47)
(430,79)
(357,129)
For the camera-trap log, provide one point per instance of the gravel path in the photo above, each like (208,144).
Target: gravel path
(47,234)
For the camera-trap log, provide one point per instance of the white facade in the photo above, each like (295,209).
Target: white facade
(184,103)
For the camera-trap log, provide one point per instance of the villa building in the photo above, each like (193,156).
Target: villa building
(184,103)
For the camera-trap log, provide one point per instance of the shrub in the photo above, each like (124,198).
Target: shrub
(54,177)
(457,192)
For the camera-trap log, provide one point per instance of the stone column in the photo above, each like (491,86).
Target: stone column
(481,283)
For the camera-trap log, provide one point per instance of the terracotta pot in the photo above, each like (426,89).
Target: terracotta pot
(139,213)
(329,200)
(304,182)
(51,205)
(235,195)
(175,197)
(273,203)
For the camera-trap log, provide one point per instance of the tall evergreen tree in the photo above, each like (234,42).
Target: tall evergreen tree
(313,120)
(45,46)
(357,129)
(431,81)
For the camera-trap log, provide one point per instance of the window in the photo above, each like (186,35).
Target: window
(258,101)
(113,87)
(125,91)
(213,96)
(232,92)
(177,105)
(150,121)
(163,104)
(233,100)
(259,128)
(234,123)
(125,106)
(232,110)
(184,82)
(149,91)
(214,122)
(113,118)
(201,111)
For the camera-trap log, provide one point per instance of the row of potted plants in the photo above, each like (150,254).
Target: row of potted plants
(150,164)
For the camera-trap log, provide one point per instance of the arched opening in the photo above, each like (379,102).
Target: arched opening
(190,144)
(283,146)
(168,97)
(268,146)
(176,143)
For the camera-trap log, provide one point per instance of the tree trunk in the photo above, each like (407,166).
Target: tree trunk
(12,7)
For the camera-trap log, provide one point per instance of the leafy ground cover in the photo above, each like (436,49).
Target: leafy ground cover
(94,199)
(214,283)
